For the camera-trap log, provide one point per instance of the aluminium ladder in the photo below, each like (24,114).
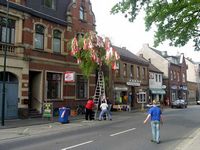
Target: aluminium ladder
(99,91)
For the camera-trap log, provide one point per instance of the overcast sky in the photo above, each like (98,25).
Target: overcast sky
(130,35)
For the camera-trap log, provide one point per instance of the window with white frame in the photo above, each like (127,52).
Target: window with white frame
(81,87)
(141,97)
(56,41)
(50,4)
(39,36)
(54,85)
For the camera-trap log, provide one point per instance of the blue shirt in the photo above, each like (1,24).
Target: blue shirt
(155,113)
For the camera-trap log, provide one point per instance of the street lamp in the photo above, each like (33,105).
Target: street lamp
(4,68)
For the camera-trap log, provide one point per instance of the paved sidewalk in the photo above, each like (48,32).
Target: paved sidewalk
(192,142)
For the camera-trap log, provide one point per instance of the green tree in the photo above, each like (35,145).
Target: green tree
(175,20)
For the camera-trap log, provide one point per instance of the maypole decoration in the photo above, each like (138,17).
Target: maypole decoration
(91,51)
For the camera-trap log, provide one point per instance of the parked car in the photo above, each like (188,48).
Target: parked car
(198,102)
(179,103)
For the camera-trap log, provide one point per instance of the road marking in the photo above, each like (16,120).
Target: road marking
(122,132)
(77,145)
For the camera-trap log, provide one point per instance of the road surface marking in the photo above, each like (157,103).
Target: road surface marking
(77,145)
(122,132)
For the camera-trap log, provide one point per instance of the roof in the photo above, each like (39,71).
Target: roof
(172,59)
(40,12)
(128,56)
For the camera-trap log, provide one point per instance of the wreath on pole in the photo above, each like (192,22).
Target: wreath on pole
(91,51)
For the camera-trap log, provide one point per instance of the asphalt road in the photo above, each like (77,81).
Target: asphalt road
(125,132)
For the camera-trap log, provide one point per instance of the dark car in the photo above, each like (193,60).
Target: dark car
(179,103)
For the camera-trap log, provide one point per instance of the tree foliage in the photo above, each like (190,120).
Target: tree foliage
(176,20)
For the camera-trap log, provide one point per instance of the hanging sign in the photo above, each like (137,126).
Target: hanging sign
(69,76)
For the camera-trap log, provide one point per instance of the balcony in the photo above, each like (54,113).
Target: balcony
(12,50)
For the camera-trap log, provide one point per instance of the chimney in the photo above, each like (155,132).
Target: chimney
(149,60)
(141,56)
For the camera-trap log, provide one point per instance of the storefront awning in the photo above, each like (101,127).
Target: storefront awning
(157,91)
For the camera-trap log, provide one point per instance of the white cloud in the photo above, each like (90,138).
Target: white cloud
(130,35)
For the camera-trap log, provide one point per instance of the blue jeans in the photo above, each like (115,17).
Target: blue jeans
(155,128)
(103,112)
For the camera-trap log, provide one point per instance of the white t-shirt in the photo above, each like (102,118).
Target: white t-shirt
(104,106)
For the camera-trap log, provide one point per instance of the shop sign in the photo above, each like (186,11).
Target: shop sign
(69,76)
(174,87)
(133,82)
(121,88)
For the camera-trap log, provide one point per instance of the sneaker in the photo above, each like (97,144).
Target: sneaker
(158,142)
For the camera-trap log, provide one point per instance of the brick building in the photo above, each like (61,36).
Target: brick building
(37,56)
(130,82)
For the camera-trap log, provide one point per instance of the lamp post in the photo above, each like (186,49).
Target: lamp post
(4,68)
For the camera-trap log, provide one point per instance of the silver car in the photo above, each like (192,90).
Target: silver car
(179,103)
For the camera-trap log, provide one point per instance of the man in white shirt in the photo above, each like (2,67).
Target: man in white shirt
(104,109)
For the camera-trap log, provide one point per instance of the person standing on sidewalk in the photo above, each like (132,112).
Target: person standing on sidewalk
(89,109)
(155,114)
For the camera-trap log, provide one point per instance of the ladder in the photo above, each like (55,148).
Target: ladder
(99,91)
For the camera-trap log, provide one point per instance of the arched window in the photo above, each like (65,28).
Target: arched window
(39,36)
(56,41)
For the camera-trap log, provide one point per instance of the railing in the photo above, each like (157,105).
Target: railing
(37,103)
(11,49)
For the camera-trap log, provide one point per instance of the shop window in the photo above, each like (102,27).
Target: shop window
(39,36)
(141,97)
(56,41)
(54,85)
(50,4)
(10,30)
(81,87)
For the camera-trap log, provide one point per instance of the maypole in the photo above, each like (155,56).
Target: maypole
(91,52)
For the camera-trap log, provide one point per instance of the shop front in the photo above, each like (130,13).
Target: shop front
(120,97)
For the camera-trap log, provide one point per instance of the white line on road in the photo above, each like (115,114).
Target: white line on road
(77,145)
(122,132)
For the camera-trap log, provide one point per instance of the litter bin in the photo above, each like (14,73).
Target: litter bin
(64,115)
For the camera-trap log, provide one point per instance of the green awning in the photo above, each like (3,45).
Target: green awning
(158,91)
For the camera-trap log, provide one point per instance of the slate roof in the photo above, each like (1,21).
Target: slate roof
(36,10)
(128,56)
